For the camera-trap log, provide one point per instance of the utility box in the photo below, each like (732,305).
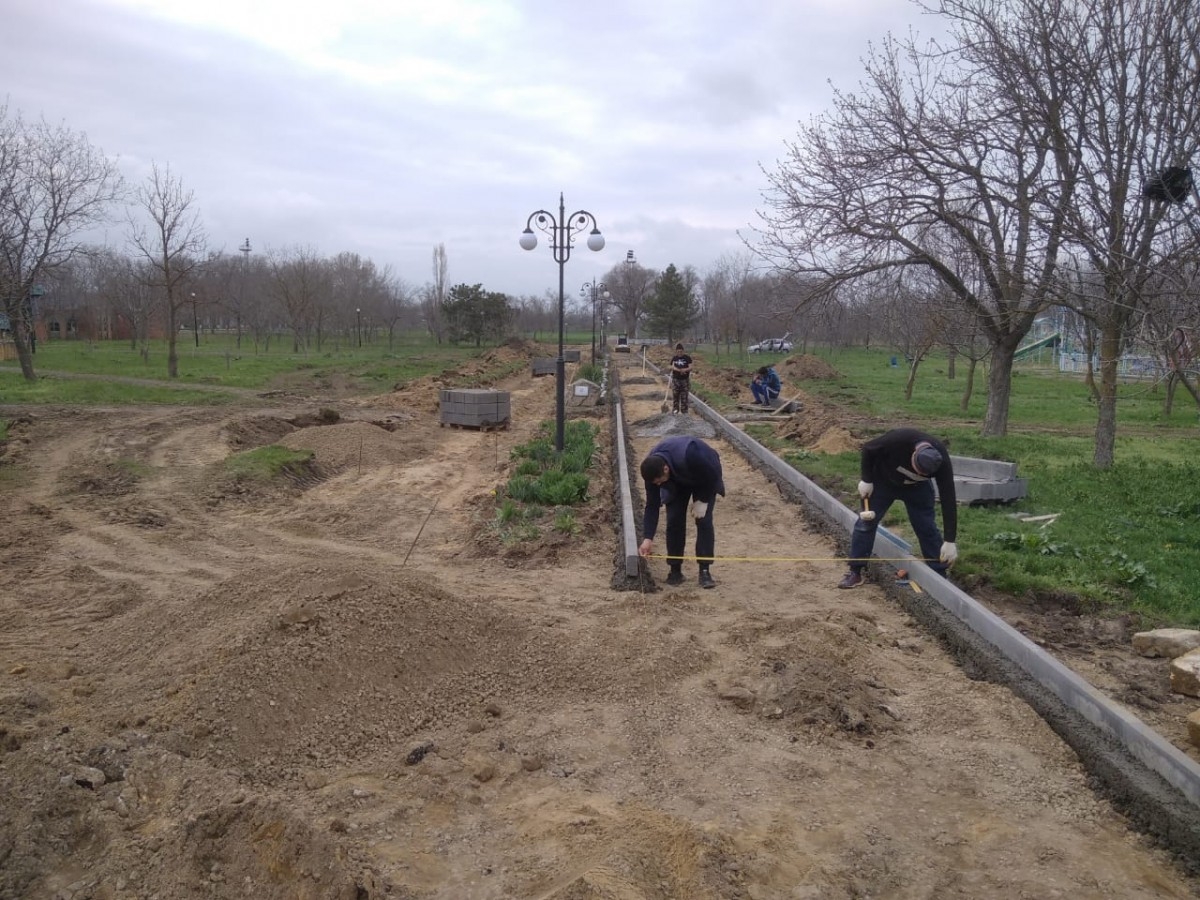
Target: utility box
(583,393)
(471,408)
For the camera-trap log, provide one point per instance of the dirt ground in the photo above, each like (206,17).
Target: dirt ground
(349,687)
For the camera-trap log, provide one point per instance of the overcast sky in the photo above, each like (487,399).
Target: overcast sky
(385,127)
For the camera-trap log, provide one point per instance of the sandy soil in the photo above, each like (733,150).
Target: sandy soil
(349,687)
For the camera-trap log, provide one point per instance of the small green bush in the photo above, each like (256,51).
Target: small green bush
(566,523)
(558,488)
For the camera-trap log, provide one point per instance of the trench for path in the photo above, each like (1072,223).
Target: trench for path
(1152,781)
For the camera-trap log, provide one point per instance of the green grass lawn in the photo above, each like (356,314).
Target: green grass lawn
(218,363)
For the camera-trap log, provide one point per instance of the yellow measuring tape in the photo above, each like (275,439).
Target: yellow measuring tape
(794,558)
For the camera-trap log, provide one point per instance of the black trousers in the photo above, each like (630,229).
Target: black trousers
(677,519)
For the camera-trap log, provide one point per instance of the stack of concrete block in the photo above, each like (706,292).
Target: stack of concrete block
(475,408)
(571,355)
(543,365)
(986,481)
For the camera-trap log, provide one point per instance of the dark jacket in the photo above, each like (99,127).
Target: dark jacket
(693,465)
(889,458)
(681,361)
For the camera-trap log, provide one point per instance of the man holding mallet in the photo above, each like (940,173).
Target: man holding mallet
(895,466)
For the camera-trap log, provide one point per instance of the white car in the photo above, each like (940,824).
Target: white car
(771,345)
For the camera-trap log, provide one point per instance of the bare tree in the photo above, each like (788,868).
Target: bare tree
(936,157)
(125,287)
(54,185)
(1169,319)
(397,306)
(172,245)
(533,314)
(1135,109)
(630,284)
(299,285)
(433,297)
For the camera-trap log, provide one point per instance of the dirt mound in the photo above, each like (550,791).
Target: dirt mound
(797,368)
(817,427)
(518,349)
(354,444)
(256,431)
(732,383)
(307,682)
(836,440)
(423,394)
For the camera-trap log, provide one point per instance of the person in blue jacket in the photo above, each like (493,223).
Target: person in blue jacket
(678,472)
(766,386)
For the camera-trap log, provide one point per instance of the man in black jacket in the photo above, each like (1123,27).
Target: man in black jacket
(895,466)
(677,471)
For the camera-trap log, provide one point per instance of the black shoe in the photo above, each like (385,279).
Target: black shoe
(706,579)
(674,578)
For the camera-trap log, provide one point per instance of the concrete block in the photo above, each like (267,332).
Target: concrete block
(1166,642)
(475,407)
(1193,726)
(986,481)
(1185,674)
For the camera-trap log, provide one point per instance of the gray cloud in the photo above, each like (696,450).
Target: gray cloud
(345,128)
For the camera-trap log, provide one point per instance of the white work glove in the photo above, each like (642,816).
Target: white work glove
(949,553)
(699,509)
(865,488)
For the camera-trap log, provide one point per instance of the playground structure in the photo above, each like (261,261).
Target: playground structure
(1048,343)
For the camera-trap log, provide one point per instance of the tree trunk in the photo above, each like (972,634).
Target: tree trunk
(912,378)
(1106,420)
(970,388)
(995,418)
(1089,378)
(1191,388)
(172,334)
(24,356)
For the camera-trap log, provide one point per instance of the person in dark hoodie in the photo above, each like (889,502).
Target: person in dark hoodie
(895,466)
(678,472)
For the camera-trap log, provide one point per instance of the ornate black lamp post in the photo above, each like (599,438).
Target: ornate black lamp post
(562,232)
(596,290)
